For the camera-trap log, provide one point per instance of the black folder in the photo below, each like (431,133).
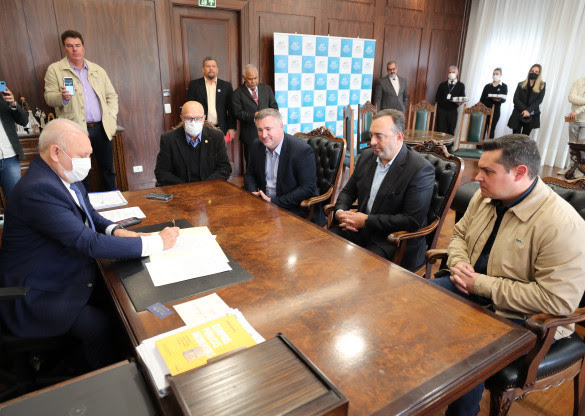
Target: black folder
(143,293)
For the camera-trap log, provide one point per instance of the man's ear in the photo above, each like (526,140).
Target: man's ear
(521,172)
(54,153)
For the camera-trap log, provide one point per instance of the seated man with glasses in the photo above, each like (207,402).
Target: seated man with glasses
(192,152)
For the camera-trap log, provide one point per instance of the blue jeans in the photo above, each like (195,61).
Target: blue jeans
(9,174)
(468,404)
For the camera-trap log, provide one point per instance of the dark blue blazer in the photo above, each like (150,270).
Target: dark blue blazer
(47,246)
(223,101)
(401,204)
(296,179)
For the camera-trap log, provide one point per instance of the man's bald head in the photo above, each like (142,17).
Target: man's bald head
(192,107)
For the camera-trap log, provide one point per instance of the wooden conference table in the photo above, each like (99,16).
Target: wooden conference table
(390,341)
(414,137)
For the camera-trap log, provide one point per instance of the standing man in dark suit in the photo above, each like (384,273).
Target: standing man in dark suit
(393,185)
(446,107)
(192,152)
(391,91)
(281,167)
(215,95)
(10,147)
(248,99)
(51,236)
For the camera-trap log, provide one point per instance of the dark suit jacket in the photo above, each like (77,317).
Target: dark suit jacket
(223,101)
(47,246)
(444,104)
(172,164)
(296,179)
(526,99)
(245,107)
(385,95)
(9,117)
(401,204)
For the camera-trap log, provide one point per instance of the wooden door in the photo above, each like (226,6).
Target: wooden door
(197,33)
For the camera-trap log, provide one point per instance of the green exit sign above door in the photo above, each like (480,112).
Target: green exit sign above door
(208,3)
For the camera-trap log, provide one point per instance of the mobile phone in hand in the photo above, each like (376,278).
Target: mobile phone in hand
(2,86)
(162,197)
(68,82)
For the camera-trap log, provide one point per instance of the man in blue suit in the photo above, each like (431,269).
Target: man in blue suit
(281,168)
(51,236)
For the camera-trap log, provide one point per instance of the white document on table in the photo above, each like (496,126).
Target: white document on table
(205,309)
(195,254)
(105,200)
(116,215)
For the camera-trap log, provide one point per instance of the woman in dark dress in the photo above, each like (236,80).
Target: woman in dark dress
(495,87)
(527,99)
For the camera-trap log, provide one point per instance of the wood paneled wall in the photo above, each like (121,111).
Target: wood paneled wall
(133,41)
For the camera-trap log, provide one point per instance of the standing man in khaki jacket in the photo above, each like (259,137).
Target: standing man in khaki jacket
(519,246)
(93,106)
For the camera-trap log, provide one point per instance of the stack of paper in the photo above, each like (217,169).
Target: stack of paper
(195,254)
(497,96)
(116,215)
(105,200)
(195,313)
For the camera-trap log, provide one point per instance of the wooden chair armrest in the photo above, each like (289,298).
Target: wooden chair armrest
(436,254)
(306,204)
(399,236)
(328,208)
(541,323)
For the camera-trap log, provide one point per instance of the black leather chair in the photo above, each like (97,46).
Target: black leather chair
(22,360)
(573,191)
(548,364)
(329,152)
(448,169)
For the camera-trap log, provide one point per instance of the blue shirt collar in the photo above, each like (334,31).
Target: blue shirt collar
(190,141)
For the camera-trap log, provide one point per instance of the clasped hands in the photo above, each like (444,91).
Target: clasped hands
(261,195)
(463,277)
(351,221)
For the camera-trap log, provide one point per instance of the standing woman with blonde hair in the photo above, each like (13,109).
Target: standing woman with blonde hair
(527,99)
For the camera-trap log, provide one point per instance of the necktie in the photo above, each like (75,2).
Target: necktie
(82,204)
(255,96)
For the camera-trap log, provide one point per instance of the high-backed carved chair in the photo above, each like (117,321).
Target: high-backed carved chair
(365,115)
(420,115)
(329,153)
(448,169)
(548,364)
(474,126)
(348,133)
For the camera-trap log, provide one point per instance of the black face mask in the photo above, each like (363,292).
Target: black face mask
(532,75)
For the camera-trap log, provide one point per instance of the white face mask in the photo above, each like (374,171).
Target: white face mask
(452,76)
(81,167)
(193,128)
(497,78)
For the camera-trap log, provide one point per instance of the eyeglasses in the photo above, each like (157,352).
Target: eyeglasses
(197,119)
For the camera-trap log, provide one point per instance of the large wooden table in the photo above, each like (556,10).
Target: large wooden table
(392,342)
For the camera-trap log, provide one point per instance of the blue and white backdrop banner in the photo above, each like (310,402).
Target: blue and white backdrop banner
(316,77)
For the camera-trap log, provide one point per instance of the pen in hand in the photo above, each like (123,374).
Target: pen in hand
(173,223)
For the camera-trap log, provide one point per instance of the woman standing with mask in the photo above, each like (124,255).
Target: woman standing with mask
(527,99)
(495,88)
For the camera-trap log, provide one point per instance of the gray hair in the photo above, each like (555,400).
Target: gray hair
(454,67)
(249,66)
(397,118)
(391,62)
(56,132)
(269,112)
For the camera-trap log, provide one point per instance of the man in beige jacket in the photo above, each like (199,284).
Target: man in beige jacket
(519,245)
(93,106)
